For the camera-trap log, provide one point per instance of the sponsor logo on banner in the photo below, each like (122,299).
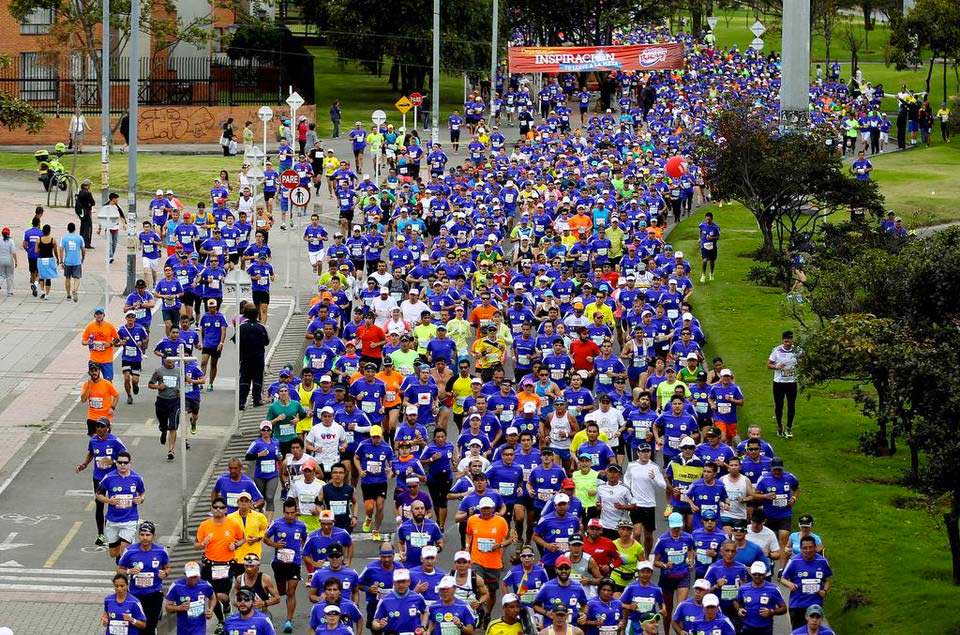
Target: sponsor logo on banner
(652,56)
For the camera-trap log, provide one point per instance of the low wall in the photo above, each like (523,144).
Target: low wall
(160,124)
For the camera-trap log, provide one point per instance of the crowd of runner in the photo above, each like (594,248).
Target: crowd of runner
(511,338)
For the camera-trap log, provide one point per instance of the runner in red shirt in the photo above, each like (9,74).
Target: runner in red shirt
(372,338)
(600,548)
(583,351)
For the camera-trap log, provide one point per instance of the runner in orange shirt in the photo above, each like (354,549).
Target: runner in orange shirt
(580,222)
(101,398)
(482,315)
(219,537)
(100,337)
(487,536)
(394,396)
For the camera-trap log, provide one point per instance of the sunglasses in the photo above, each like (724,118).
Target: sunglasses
(563,568)
(122,462)
(526,555)
(219,507)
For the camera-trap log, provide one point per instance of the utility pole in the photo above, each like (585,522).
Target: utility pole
(795,78)
(105,106)
(435,81)
(132,156)
(493,59)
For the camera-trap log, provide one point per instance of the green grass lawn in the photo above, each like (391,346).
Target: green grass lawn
(889,558)
(361,93)
(189,176)
(921,185)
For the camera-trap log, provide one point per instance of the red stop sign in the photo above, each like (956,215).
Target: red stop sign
(289,179)
(416,99)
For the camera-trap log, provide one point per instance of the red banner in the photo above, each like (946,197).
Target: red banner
(577,59)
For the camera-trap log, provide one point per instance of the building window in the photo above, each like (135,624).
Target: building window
(39,81)
(38,22)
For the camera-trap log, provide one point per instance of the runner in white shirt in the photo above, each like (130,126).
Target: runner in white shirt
(764,537)
(645,479)
(326,441)
(783,363)
(412,308)
(383,306)
(609,420)
(307,492)
(614,499)
(738,488)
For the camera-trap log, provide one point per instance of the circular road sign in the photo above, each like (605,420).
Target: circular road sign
(300,196)
(378,117)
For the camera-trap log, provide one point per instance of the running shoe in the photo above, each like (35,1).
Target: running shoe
(101,540)
(76,298)
(169,456)
(288,626)
(703,278)
(367,526)
(33,288)
(129,399)
(136,389)
(163,437)
(193,427)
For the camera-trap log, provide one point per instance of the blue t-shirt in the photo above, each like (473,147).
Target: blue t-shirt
(442,614)
(557,531)
(104,451)
(212,327)
(553,593)
(401,612)
(734,576)
(649,600)
(150,562)
(674,551)
(257,624)
(72,245)
(349,579)
(753,598)
(374,459)
(783,489)
(293,534)
(116,610)
(230,490)
(809,576)
(318,543)
(125,489)
(193,622)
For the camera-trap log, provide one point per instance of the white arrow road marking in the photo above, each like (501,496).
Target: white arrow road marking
(8,542)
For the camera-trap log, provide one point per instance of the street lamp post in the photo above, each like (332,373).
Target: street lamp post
(238,279)
(134,108)
(435,81)
(493,59)
(105,105)
(265,114)
(182,361)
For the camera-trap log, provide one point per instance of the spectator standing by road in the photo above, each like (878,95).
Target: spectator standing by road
(84,210)
(78,127)
(335,118)
(8,260)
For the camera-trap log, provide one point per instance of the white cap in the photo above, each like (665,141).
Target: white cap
(726,372)
(492,237)
(561,498)
(672,281)
(326,409)
(414,291)
(401,574)
(678,254)
(702,584)
(447,582)
(191,569)
(583,374)
(486,501)
(688,442)
(412,480)
(758,567)
(692,355)
(519,285)
(159,192)
(644,564)
(509,598)
(325,378)
(511,430)
(473,442)
(687,316)
(428,551)
(710,600)
(411,410)
(330,609)
(384,290)
(462,555)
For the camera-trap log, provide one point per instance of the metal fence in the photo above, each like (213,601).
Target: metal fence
(58,88)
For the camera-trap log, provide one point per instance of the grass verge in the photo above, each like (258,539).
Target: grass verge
(921,185)
(888,556)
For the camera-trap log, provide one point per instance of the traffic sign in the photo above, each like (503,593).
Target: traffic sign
(416,99)
(757,44)
(757,28)
(295,101)
(289,179)
(300,196)
(265,113)
(378,117)
(403,105)
(712,21)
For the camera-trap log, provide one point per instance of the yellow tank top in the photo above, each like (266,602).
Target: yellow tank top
(461,390)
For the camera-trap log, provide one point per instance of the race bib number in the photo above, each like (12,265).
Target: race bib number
(124,501)
(339,508)
(220,571)
(556,373)
(419,539)
(104,462)
(287,429)
(268,467)
(644,605)
(780,500)
(728,592)
(673,442)
(724,408)
(391,395)
(423,399)
(707,246)
(285,555)
(233,498)
(505,489)
(118,627)
(196,609)
(810,586)
(143,580)
(486,545)
(373,467)
(368,406)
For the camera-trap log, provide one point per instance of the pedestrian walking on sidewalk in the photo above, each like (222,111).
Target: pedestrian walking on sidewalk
(254,340)
(335,118)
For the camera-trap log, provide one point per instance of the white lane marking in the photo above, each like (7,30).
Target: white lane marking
(43,588)
(8,542)
(6,568)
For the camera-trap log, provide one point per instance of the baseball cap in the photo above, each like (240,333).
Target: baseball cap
(429,551)
(326,515)
(462,555)
(376,431)
(561,561)
(814,609)
(266,425)
(708,515)
(509,598)
(561,498)
(401,574)
(334,550)
(710,600)
(702,584)
(412,480)
(675,520)
(687,442)
(245,594)
(567,482)
(331,609)
(726,372)
(244,495)
(806,521)
(644,564)
(576,539)
(447,582)
(595,522)
(251,559)
(654,618)
(485,502)
(191,569)
(411,410)
(758,567)
(776,462)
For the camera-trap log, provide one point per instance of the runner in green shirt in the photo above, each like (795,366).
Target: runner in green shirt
(284,413)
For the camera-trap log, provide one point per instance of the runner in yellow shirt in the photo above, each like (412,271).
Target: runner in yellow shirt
(254,526)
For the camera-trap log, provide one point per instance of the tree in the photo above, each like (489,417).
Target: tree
(77,29)
(16,113)
(791,183)
(890,322)
(931,26)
